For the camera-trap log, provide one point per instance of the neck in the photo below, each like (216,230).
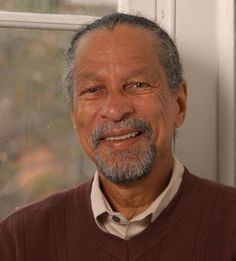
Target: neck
(132,199)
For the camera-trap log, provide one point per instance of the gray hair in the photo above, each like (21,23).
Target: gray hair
(168,53)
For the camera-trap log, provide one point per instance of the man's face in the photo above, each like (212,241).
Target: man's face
(124,112)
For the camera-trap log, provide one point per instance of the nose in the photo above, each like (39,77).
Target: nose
(116,107)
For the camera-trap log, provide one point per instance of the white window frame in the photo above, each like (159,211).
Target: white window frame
(26,20)
(226,93)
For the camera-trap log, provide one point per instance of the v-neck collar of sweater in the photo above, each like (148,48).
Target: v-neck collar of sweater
(139,244)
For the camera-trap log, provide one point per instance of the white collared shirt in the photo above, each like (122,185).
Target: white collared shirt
(116,224)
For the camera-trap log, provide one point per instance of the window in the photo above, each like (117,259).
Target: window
(39,152)
(82,7)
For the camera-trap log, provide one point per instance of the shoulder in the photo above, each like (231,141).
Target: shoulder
(37,222)
(227,192)
(219,197)
(44,208)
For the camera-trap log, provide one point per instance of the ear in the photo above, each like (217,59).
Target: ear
(181,102)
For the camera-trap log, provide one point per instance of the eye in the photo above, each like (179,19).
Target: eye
(138,87)
(88,91)
(91,92)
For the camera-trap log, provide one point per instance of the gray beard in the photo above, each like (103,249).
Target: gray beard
(127,166)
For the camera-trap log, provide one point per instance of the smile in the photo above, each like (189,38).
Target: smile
(122,137)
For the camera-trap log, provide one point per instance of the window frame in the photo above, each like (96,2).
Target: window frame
(226,92)
(27,20)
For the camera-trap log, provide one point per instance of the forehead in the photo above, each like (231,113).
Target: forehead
(124,43)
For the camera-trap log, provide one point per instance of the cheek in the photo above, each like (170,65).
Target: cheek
(154,111)
(162,120)
(85,115)
(83,129)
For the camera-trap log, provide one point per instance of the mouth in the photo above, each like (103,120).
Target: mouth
(122,137)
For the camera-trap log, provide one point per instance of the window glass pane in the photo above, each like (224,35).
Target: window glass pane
(39,152)
(83,7)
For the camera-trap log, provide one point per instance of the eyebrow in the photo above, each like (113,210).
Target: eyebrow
(94,76)
(86,75)
(142,71)
(138,72)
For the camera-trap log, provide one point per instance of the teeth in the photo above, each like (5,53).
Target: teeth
(123,137)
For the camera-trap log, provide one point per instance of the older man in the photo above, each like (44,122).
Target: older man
(127,97)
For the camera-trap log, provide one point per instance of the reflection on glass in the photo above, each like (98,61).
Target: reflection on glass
(38,151)
(82,7)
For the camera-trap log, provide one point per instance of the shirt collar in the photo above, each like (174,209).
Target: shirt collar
(99,202)
(100,205)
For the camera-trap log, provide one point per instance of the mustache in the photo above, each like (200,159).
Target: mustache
(136,124)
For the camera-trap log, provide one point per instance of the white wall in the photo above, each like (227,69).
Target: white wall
(196,36)
(205,37)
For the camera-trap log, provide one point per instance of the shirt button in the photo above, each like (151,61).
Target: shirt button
(116,219)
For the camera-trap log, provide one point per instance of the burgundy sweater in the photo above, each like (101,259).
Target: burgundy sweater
(198,224)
